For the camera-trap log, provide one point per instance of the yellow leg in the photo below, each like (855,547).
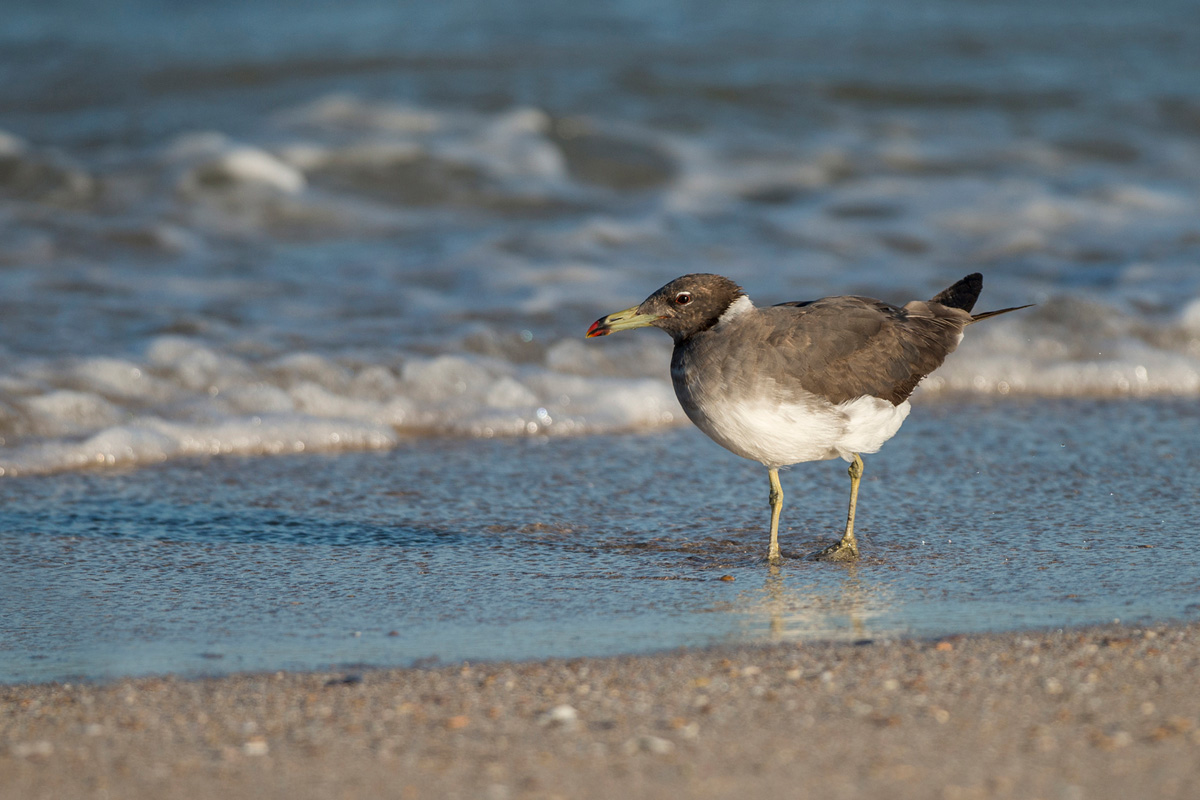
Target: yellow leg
(847,548)
(773,555)
(855,471)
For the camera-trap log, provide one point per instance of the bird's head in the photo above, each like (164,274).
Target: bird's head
(682,308)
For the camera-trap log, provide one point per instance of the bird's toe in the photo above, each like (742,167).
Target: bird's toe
(842,551)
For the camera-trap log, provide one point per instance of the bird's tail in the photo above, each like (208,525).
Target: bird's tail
(964,294)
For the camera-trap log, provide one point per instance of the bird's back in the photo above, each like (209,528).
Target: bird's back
(836,348)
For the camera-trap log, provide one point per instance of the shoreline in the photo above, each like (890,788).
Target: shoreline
(1096,712)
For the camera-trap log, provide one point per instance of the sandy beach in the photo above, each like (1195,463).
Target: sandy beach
(1109,712)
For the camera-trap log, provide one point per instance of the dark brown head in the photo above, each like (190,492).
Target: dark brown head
(682,308)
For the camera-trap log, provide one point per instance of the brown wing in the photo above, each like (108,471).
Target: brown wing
(842,348)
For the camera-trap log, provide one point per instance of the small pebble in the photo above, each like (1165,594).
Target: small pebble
(346,680)
(256,747)
(37,749)
(649,744)
(564,715)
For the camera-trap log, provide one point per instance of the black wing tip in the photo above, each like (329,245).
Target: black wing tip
(962,294)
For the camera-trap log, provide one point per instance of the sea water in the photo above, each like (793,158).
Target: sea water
(978,517)
(304,286)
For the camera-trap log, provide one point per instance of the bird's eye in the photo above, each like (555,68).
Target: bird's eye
(683,298)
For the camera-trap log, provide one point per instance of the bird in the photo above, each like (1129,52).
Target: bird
(800,381)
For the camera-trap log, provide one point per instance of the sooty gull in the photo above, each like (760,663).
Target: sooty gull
(801,381)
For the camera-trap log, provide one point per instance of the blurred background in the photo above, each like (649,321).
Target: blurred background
(275,226)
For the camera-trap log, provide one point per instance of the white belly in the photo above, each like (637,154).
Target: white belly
(777,434)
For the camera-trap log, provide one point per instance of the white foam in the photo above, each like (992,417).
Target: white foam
(10,145)
(189,399)
(117,378)
(243,165)
(64,412)
(344,111)
(516,146)
(1072,350)
(153,440)
(1189,320)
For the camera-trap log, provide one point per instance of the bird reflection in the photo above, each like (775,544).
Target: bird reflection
(830,605)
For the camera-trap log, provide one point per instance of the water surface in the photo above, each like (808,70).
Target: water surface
(977,517)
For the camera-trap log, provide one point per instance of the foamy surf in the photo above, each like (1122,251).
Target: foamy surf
(186,398)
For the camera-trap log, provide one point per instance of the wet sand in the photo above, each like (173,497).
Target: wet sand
(1109,712)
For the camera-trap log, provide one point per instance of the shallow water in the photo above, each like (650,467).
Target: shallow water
(977,517)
